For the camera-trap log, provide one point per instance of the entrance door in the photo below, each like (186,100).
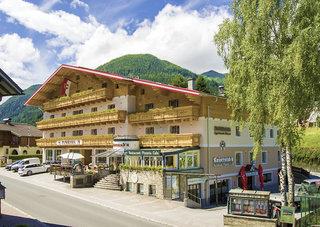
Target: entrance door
(87,157)
(194,192)
(221,192)
(250,183)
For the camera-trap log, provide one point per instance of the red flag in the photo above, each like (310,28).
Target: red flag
(65,87)
(244,180)
(260,172)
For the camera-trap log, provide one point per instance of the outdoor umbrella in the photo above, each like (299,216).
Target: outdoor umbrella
(71,155)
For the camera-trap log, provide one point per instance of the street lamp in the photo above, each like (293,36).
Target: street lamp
(2,195)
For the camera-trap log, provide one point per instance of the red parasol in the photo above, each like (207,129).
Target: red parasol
(260,172)
(244,180)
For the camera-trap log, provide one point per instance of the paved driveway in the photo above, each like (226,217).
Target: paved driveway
(160,211)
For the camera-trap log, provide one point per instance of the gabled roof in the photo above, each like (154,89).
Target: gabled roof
(21,130)
(98,73)
(7,86)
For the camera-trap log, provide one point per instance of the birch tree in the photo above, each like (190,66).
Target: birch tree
(272,51)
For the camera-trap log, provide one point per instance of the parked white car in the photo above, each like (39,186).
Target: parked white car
(32,169)
(24,162)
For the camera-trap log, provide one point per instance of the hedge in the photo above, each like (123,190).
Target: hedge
(309,156)
(141,168)
(20,157)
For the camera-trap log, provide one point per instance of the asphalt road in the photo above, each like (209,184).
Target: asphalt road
(55,208)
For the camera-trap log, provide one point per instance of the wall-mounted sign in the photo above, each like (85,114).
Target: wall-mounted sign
(222,144)
(219,130)
(69,142)
(150,152)
(222,161)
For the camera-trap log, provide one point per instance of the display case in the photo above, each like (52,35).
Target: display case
(250,203)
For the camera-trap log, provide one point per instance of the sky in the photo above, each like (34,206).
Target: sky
(37,36)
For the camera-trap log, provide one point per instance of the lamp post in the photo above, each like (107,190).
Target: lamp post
(2,195)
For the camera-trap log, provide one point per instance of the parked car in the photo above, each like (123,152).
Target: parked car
(23,162)
(8,167)
(32,169)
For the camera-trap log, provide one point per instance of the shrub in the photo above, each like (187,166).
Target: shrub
(20,157)
(141,168)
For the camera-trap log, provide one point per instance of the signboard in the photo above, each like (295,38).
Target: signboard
(219,130)
(150,152)
(287,215)
(69,142)
(196,180)
(222,161)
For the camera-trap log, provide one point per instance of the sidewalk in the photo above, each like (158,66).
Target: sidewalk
(157,210)
(11,216)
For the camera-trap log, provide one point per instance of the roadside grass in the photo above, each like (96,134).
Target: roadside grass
(311,138)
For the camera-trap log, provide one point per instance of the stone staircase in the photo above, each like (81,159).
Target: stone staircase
(110,182)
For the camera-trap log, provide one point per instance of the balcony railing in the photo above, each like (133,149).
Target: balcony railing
(170,140)
(77,99)
(165,114)
(107,116)
(77,141)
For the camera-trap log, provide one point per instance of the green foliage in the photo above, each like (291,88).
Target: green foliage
(141,168)
(311,138)
(20,157)
(14,108)
(272,51)
(318,121)
(179,81)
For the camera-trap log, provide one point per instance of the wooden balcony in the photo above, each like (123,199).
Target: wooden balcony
(170,140)
(165,115)
(77,141)
(108,116)
(77,99)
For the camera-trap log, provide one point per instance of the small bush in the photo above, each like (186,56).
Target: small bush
(141,168)
(20,157)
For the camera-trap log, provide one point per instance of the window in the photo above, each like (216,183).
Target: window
(279,156)
(152,190)
(267,177)
(175,129)
(104,85)
(52,116)
(140,189)
(142,91)
(264,157)
(112,130)
(148,106)
(94,109)
(174,103)
(14,152)
(94,131)
(150,130)
(77,133)
(25,152)
(169,161)
(76,112)
(271,133)
(49,155)
(117,86)
(38,152)
(51,135)
(7,151)
(111,106)
(63,134)
(238,131)
(63,114)
(146,161)
(129,186)
(239,159)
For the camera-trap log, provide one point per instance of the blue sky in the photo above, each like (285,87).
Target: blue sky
(36,36)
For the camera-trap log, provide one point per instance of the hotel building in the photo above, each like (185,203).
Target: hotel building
(173,142)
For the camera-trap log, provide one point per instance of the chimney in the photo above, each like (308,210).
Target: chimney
(221,90)
(191,83)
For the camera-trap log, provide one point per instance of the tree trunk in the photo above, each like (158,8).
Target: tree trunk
(282,178)
(290,178)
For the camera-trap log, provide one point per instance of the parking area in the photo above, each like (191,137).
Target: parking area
(162,211)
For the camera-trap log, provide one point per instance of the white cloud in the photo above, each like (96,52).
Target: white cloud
(77,3)
(19,59)
(48,4)
(177,34)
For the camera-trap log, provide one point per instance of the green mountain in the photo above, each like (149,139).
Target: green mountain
(146,66)
(15,109)
(214,74)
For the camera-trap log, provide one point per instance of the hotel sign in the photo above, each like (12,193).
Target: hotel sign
(219,130)
(222,161)
(69,142)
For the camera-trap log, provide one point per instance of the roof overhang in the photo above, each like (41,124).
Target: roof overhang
(7,86)
(57,77)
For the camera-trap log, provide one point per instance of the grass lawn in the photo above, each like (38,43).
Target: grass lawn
(311,138)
